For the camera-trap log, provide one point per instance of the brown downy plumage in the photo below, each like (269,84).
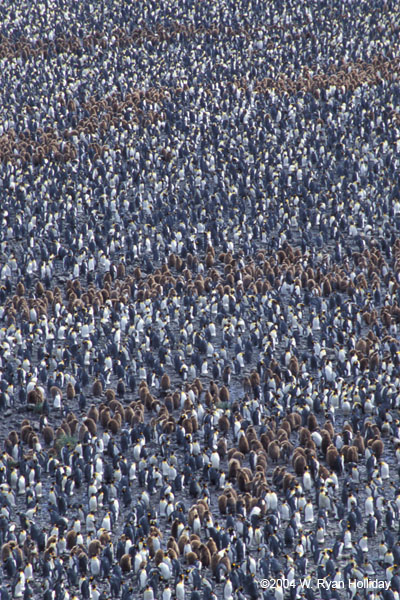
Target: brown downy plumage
(243,480)
(190,558)
(91,425)
(165,383)
(113,425)
(222,504)
(171,545)
(233,468)
(358,442)
(71,539)
(274,451)
(204,556)
(299,465)
(48,435)
(223,424)
(109,395)
(182,541)
(212,547)
(304,436)
(332,456)
(94,548)
(126,563)
(93,413)
(377,447)
(243,444)
(312,422)
(97,388)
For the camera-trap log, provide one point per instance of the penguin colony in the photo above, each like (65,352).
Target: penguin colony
(200,301)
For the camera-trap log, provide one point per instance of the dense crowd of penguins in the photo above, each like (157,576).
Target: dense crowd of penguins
(200,299)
